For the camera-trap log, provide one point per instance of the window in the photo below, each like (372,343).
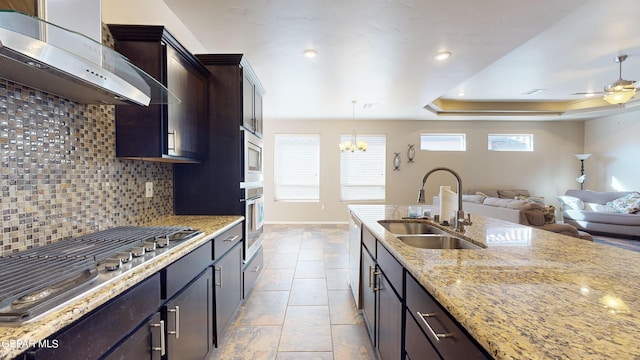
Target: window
(443,142)
(297,167)
(362,174)
(510,142)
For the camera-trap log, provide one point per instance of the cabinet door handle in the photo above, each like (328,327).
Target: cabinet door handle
(232,238)
(257,268)
(436,335)
(372,275)
(176,312)
(171,139)
(372,281)
(162,347)
(219,268)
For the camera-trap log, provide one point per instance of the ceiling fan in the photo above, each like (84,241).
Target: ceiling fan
(618,92)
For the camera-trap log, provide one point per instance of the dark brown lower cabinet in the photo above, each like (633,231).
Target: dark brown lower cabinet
(390,307)
(250,273)
(403,320)
(435,327)
(96,333)
(183,330)
(189,318)
(145,343)
(389,321)
(228,286)
(416,343)
(368,288)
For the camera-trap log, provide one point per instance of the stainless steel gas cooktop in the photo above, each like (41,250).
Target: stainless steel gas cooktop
(38,280)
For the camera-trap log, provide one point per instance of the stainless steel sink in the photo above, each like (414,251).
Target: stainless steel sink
(437,241)
(406,227)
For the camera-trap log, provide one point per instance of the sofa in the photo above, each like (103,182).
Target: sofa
(515,206)
(609,212)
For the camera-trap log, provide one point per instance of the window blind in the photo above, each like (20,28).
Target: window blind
(297,167)
(362,174)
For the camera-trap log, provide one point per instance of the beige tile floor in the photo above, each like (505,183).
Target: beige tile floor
(302,307)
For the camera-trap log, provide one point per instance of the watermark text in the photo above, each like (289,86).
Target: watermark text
(25,344)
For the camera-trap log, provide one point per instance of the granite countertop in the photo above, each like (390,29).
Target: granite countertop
(16,339)
(530,294)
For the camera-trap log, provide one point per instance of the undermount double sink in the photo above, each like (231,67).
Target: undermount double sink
(425,236)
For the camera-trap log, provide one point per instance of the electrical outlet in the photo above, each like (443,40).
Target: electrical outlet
(148,189)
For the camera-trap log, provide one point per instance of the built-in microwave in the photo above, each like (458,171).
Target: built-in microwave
(252,159)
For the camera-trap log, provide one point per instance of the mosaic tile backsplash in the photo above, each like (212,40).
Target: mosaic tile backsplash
(59,177)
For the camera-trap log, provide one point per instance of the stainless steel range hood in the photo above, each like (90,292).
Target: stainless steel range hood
(78,68)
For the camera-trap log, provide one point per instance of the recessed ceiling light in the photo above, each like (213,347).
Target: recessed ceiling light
(310,53)
(441,56)
(590,94)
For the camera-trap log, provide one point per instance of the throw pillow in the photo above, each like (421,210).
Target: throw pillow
(599,208)
(549,213)
(511,194)
(628,204)
(535,217)
(512,204)
(538,199)
(571,203)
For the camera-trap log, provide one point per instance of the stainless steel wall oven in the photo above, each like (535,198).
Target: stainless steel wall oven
(254,219)
(252,190)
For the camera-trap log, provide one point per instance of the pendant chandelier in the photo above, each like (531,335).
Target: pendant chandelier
(353,144)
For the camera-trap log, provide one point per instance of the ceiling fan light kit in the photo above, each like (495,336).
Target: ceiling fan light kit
(622,90)
(619,96)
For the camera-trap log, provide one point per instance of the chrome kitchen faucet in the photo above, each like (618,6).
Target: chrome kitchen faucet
(460,221)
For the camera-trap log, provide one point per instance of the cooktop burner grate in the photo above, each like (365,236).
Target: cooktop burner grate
(101,244)
(33,278)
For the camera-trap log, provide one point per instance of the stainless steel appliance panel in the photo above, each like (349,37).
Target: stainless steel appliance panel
(254,221)
(252,160)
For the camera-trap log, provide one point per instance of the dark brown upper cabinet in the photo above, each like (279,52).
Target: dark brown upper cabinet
(172,132)
(243,83)
(252,93)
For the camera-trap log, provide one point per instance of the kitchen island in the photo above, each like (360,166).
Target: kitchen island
(529,293)
(14,340)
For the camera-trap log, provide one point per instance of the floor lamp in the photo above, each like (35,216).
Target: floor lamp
(582,177)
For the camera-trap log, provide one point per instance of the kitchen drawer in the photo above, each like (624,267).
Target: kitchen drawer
(369,241)
(251,272)
(433,319)
(416,343)
(391,268)
(185,269)
(222,243)
(139,345)
(97,332)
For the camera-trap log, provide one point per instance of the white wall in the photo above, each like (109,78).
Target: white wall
(548,171)
(614,143)
(150,12)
